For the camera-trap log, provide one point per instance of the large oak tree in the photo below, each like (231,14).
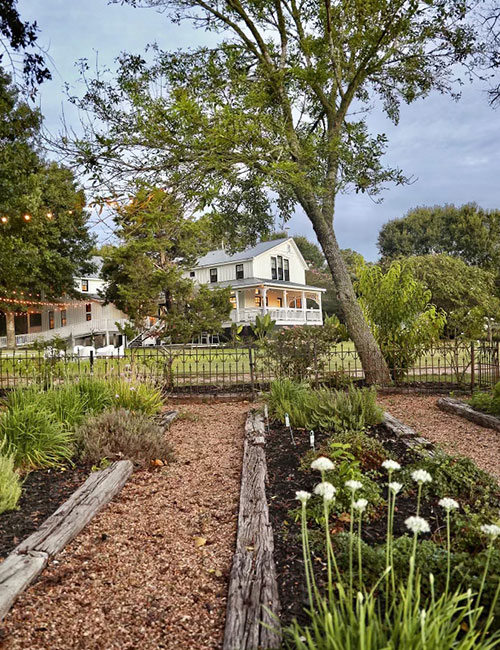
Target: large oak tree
(274,116)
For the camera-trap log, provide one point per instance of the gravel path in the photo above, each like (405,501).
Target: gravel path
(151,570)
(455,434)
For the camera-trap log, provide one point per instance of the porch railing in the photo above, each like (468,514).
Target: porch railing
(279,314)
(87,328)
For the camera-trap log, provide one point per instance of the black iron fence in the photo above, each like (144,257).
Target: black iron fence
(203,369)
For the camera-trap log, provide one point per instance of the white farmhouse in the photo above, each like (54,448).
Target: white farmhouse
(87,321)
(267,278)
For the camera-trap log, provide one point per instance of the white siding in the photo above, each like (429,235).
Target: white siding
(225,272)
(262,263)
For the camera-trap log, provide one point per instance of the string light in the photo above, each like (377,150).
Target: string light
(27,217)
(4,219)
(49,215)
(75,303)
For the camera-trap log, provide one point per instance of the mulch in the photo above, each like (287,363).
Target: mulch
(151,570)
(43,492)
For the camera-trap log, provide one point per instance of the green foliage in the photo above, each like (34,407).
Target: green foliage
(467,232)
(466,294)
(35,438)
(487,402)
(398,310)
(264,325)
(139,397)
(10,482)
(121,434)
(323,409)
(301,352)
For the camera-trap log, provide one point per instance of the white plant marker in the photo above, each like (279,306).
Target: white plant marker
(287,424)
(311,439)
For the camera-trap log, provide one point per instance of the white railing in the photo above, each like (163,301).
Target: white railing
(79,329)
(281,315)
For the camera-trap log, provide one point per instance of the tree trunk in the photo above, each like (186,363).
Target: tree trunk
(11,329)
(373,362)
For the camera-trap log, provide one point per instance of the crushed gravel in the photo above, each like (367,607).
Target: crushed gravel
(453,433)
(151,570)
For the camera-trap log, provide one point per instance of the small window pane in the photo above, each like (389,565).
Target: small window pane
(35,320)
(88,311)
(51,320)
(274,274)
(213,275)
(85,285)
(280,267)
(63,317)
(286,270)
(239,271)
(192,274)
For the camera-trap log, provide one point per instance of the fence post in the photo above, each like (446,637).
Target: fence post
(250,360)
(472,366)
(91,362)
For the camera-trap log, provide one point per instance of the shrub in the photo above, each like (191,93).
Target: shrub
(140,397)
(324,409)
(10,483)
(487,402)
(34,437)
(119,434)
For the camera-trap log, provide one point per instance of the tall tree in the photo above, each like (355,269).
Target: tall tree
(277,111)
(147,269)
(44,240)
(468,232)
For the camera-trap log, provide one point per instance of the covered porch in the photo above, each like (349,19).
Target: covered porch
(293,305)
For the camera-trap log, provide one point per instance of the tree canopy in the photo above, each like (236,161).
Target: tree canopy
(146,270)
(467,232)
(44,240)
(274,116)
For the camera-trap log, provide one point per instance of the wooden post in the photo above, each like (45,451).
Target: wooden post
(250,360)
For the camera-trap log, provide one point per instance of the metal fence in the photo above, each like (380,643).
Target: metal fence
(209,369)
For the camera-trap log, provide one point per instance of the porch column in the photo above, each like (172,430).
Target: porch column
(237,296)
(285,305)
(304,302)
(320,308)
(264,299)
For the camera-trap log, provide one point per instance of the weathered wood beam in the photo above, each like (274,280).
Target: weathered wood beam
(406,434)
(31,556)
(462,409)
(253,601)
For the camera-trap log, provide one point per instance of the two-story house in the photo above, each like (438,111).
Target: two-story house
(267,278)
(83,321)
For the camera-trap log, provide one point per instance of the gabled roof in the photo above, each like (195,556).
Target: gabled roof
(221,257)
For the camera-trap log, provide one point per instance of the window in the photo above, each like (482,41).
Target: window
(239,271)
(274,274)
(192,274)
(213,275)
(232,300)
(63,317)
(51,320)
(258,301)
(85,285)
(280,267)
(280,301)
(88,311)
(35,320)
(286,270)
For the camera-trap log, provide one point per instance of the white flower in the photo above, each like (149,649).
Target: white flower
(132,387)
(322,464)
(117,396)
(448,504)
(421,476)
(491,529)
(302,496)
(391,465)
(417,525)
(325,490)
(354,485)
(395,487)
(360,505)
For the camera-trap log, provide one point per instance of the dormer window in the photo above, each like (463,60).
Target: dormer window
(239,272)
(213,275)
(85,285)
(192,274)
(286,270)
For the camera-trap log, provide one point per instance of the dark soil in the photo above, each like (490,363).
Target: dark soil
(285,478)
(43,492)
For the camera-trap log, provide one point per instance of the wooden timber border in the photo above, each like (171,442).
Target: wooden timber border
(462,409)
(30,557)
(408,436)
(253,601)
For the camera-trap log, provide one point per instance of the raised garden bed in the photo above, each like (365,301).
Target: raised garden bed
(288,473)
(457,407)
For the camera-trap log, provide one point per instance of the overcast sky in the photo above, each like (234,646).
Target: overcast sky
(452,149)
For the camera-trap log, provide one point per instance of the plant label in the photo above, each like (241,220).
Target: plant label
(287,420)
(311,439)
